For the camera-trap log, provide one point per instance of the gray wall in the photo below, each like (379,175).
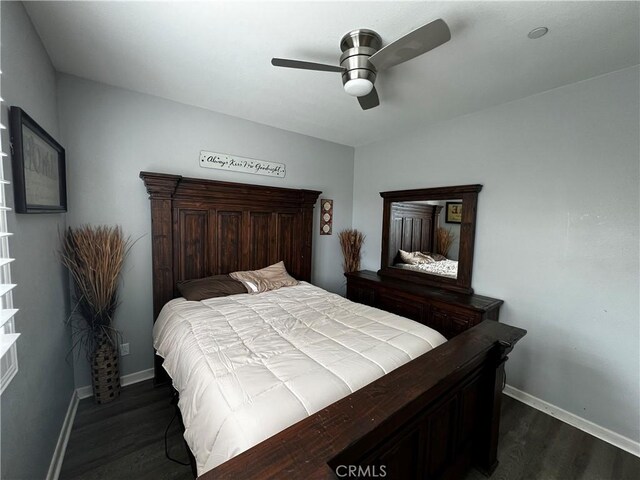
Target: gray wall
(112,134)
(557,234)
(35,402)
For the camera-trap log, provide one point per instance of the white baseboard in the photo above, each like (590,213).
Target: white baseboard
(585,425)
(136,377)
(141,376)
(63,438)
(84,392)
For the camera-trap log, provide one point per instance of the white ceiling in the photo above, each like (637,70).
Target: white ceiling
(216,55)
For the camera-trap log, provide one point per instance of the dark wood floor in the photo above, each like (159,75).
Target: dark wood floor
(125,439)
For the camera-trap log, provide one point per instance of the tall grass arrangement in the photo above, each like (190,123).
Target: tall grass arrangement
(351,244)
(444,240)
(94,256)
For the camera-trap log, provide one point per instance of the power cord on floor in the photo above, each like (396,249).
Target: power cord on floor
(166,432)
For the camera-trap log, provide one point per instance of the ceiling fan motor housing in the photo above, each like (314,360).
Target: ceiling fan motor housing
(357,46)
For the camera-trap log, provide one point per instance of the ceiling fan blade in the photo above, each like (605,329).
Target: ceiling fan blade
(413,44)
(370,100)
(321,67)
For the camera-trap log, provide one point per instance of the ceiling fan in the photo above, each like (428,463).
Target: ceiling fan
(362,58)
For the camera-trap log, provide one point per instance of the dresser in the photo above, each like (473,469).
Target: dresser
(448,312)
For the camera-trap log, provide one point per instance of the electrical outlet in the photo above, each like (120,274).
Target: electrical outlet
(124,349)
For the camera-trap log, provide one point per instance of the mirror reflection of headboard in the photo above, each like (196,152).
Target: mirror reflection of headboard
(414,227)
(411,219)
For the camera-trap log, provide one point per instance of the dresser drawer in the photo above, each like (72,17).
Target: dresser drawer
(447,312)
(359,294)
(400,306)
(451,323)
(459,323)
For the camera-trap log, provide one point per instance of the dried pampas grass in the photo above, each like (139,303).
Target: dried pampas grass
(94,256)
(444,240)
(351,244)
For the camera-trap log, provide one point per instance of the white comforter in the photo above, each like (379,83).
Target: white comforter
(248,366)
(444,268)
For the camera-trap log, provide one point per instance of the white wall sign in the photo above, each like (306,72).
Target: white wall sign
(222,161)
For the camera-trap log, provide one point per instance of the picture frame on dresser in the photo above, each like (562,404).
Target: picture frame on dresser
(39,166)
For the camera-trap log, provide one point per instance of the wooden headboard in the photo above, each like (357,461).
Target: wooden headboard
(206,227)
(413,227)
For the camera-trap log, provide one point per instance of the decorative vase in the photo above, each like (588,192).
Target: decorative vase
(105,373)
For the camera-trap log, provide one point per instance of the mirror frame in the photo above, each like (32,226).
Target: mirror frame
(469,196)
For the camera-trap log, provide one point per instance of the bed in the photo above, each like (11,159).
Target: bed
(299,347)
(431,417)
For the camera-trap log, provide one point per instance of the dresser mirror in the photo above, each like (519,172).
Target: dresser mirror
(428,235)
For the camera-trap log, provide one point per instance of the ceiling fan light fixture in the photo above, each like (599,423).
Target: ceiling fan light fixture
(358,87)
(362,57)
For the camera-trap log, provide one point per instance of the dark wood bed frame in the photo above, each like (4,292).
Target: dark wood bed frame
(431,418)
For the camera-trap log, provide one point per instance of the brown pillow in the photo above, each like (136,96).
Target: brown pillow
(210,287)
(268,278)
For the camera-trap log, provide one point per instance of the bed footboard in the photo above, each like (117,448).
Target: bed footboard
(434,417)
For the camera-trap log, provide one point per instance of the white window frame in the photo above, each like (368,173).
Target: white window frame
(8,335)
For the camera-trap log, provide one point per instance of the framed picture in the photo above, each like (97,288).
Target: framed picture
(454,212)
(38,161)
(326,216)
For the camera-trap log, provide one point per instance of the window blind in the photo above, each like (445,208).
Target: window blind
(8,335)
